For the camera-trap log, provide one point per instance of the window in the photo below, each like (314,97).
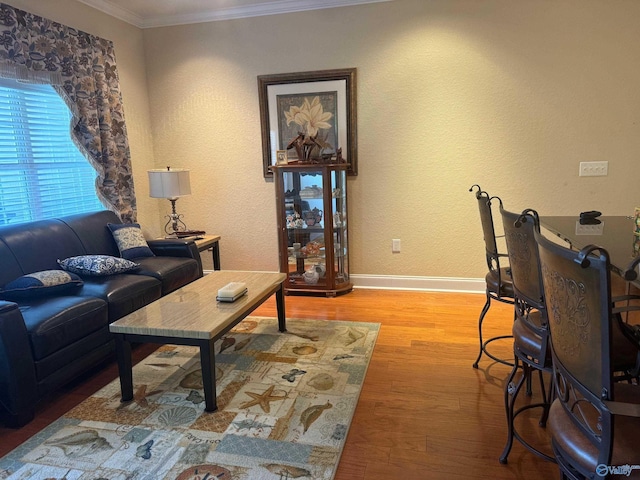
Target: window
(42,172)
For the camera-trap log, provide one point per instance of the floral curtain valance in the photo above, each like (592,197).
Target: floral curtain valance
(82,68)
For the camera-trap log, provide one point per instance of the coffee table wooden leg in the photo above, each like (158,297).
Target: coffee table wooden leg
(282,319)
(208,365)
(123,354)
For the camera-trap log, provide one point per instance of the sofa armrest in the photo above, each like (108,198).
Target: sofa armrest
(175,247)
(18,384)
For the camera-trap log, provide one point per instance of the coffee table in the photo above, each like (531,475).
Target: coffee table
(192,316)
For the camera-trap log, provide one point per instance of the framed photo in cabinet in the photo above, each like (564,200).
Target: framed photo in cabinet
(281,157)
(316,107)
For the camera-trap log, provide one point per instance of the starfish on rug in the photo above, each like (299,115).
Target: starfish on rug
(263,399)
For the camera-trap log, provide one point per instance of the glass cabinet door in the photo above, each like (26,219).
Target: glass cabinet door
(339,209)
(312,220)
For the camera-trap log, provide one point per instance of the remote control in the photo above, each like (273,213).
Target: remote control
(232,289)
(232,299)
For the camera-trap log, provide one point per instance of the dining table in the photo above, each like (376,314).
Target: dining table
(616,234)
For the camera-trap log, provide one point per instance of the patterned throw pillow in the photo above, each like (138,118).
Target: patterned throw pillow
(38,284)
(97,265)
(130,240)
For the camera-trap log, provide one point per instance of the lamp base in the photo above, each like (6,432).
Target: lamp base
(175,224)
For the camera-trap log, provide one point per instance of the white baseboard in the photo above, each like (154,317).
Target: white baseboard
(427,284)
(431,284)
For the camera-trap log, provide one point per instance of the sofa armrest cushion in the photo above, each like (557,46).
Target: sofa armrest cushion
(38,284)
(130,240)
(97,265)
(174,247)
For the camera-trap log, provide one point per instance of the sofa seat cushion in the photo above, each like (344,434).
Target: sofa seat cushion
(65,364)
(124,293)
(56,322)
(173,272)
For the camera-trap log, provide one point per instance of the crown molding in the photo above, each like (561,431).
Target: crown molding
(218,14)
(115,11)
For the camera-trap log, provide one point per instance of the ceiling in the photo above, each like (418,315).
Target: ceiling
(158,13)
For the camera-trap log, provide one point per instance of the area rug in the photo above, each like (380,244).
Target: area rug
(285,402)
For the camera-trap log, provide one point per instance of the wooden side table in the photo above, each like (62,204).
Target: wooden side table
(206,242)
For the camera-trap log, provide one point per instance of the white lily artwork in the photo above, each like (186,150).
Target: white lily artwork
(309,125)
(310,115)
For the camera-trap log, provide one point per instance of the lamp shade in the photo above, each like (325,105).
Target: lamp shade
(171,183)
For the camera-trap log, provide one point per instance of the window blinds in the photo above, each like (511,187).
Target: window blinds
(42,173)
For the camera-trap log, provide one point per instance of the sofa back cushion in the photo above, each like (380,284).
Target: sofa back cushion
(93,233)
(35,246)
(10,268)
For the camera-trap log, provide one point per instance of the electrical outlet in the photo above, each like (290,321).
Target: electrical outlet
(395,245)
(594,169)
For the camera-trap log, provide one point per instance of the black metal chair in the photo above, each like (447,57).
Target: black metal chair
(594,420)
(530,333)
(498,279)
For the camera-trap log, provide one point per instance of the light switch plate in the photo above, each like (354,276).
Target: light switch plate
(594,169)
(589,229)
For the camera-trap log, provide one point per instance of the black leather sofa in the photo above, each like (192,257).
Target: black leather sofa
(47,341)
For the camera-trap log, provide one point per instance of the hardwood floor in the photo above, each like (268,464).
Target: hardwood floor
(424,411)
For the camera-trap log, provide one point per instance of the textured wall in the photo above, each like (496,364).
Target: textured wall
(508,94)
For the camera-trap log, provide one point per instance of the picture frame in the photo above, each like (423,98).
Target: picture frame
(328,97)
(281,157)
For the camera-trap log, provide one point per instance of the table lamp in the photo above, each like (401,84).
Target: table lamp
(171,184)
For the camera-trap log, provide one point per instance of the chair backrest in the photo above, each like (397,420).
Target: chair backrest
(524,259)
(578,297)
(488,230)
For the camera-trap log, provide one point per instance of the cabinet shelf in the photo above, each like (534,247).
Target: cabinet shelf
(303,256)
(316,228)
(313,228)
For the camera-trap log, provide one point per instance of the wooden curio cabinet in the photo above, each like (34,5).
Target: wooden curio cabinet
(312,227)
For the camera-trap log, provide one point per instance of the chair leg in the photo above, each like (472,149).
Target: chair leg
(485,309)
(529,388)
(547,395)
(510,395)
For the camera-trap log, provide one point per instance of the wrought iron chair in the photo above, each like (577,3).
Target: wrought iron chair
(530,333)
(498,279)
(594,421)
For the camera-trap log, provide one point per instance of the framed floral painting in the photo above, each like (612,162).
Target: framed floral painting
(311,115)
